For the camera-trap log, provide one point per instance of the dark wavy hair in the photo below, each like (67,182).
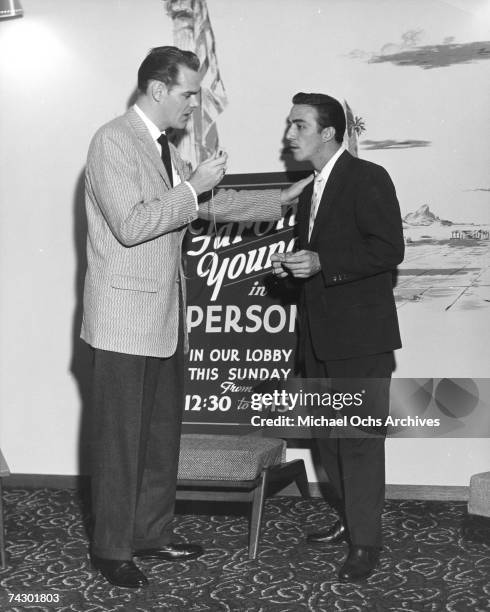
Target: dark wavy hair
(163,64)
(329,111)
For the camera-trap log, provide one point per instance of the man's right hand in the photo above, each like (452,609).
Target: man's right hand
(277,268)
(208,174)
(291,193)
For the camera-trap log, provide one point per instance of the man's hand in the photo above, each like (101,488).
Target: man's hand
(277,269)
(209,173)
(301,264)
(290,194)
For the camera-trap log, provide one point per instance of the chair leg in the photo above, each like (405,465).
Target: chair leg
(301,481)
(291,471)
(256,518)
(2,532)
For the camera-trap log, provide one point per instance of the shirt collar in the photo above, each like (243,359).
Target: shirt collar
(327,168)
(152,128)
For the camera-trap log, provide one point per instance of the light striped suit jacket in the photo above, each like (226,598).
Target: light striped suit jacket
(136,224)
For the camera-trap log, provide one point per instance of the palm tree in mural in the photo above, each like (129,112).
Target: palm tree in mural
(358,125)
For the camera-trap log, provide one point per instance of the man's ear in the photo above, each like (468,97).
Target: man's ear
(158,90)
(328,133)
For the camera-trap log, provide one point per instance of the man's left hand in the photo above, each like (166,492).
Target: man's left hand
(291,193)
(302,264)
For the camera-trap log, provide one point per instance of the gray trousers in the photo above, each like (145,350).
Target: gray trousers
(136,423)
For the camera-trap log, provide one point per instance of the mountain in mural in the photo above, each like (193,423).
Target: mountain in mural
(423,216)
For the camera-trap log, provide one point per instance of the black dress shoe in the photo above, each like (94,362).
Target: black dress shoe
(171,552)
(120,573)
(360,563)
(337,533)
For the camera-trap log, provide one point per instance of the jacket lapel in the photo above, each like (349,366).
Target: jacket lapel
(304,207)
(184,169)
(146,142)
(335,183)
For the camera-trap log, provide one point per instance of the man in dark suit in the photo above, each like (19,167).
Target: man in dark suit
(350,241)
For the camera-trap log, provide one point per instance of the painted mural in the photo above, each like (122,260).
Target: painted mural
(447,259)
(413,78)
(446,263)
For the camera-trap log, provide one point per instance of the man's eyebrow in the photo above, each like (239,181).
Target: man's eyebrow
(290,121)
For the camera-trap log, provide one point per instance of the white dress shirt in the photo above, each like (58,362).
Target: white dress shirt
(320,181)
(155,134)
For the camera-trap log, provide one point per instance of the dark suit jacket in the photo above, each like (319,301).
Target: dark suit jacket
(349,304)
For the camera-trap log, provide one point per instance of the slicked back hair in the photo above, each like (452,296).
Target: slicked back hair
(329,111)
(163,64)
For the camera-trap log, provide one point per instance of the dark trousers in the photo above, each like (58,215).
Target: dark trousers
(136,423)
(355,461)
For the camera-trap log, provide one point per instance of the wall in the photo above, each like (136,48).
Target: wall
(66,68)
(422,121)
(62,78)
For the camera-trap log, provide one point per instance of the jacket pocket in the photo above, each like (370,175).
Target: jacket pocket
(134,283)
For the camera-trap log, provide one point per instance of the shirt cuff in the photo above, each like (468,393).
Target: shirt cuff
(194,194)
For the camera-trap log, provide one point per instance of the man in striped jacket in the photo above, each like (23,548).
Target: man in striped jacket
(140,197)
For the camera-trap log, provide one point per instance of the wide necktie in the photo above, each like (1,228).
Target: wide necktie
(165,155)
(315,202)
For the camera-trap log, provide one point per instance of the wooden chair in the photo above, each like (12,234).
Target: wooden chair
(236,468)
(4,471)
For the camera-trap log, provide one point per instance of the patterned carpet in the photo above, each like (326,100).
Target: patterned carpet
(435,559)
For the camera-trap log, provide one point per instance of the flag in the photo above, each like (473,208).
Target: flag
(193,32)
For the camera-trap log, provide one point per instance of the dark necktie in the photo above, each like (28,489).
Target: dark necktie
(165,155)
